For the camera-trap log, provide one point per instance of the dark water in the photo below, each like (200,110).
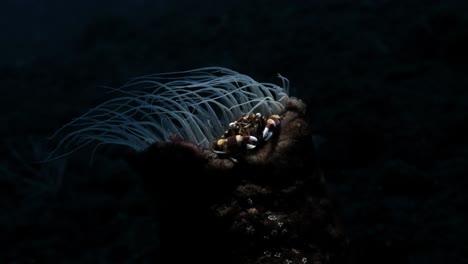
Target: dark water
(42,28)
(386,82)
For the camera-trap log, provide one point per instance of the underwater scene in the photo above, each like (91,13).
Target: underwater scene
(234,132)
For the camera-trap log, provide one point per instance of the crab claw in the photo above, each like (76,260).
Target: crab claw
(270,127)
(250,139)
(267,134)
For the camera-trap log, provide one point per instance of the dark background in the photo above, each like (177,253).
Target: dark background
(386,82)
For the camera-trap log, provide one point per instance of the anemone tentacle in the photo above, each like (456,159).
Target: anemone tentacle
(197,105)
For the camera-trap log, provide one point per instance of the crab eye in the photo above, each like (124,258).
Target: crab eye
(232,125)
(258,115)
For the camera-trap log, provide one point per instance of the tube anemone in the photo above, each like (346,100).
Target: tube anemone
(242,208)
(195,105)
